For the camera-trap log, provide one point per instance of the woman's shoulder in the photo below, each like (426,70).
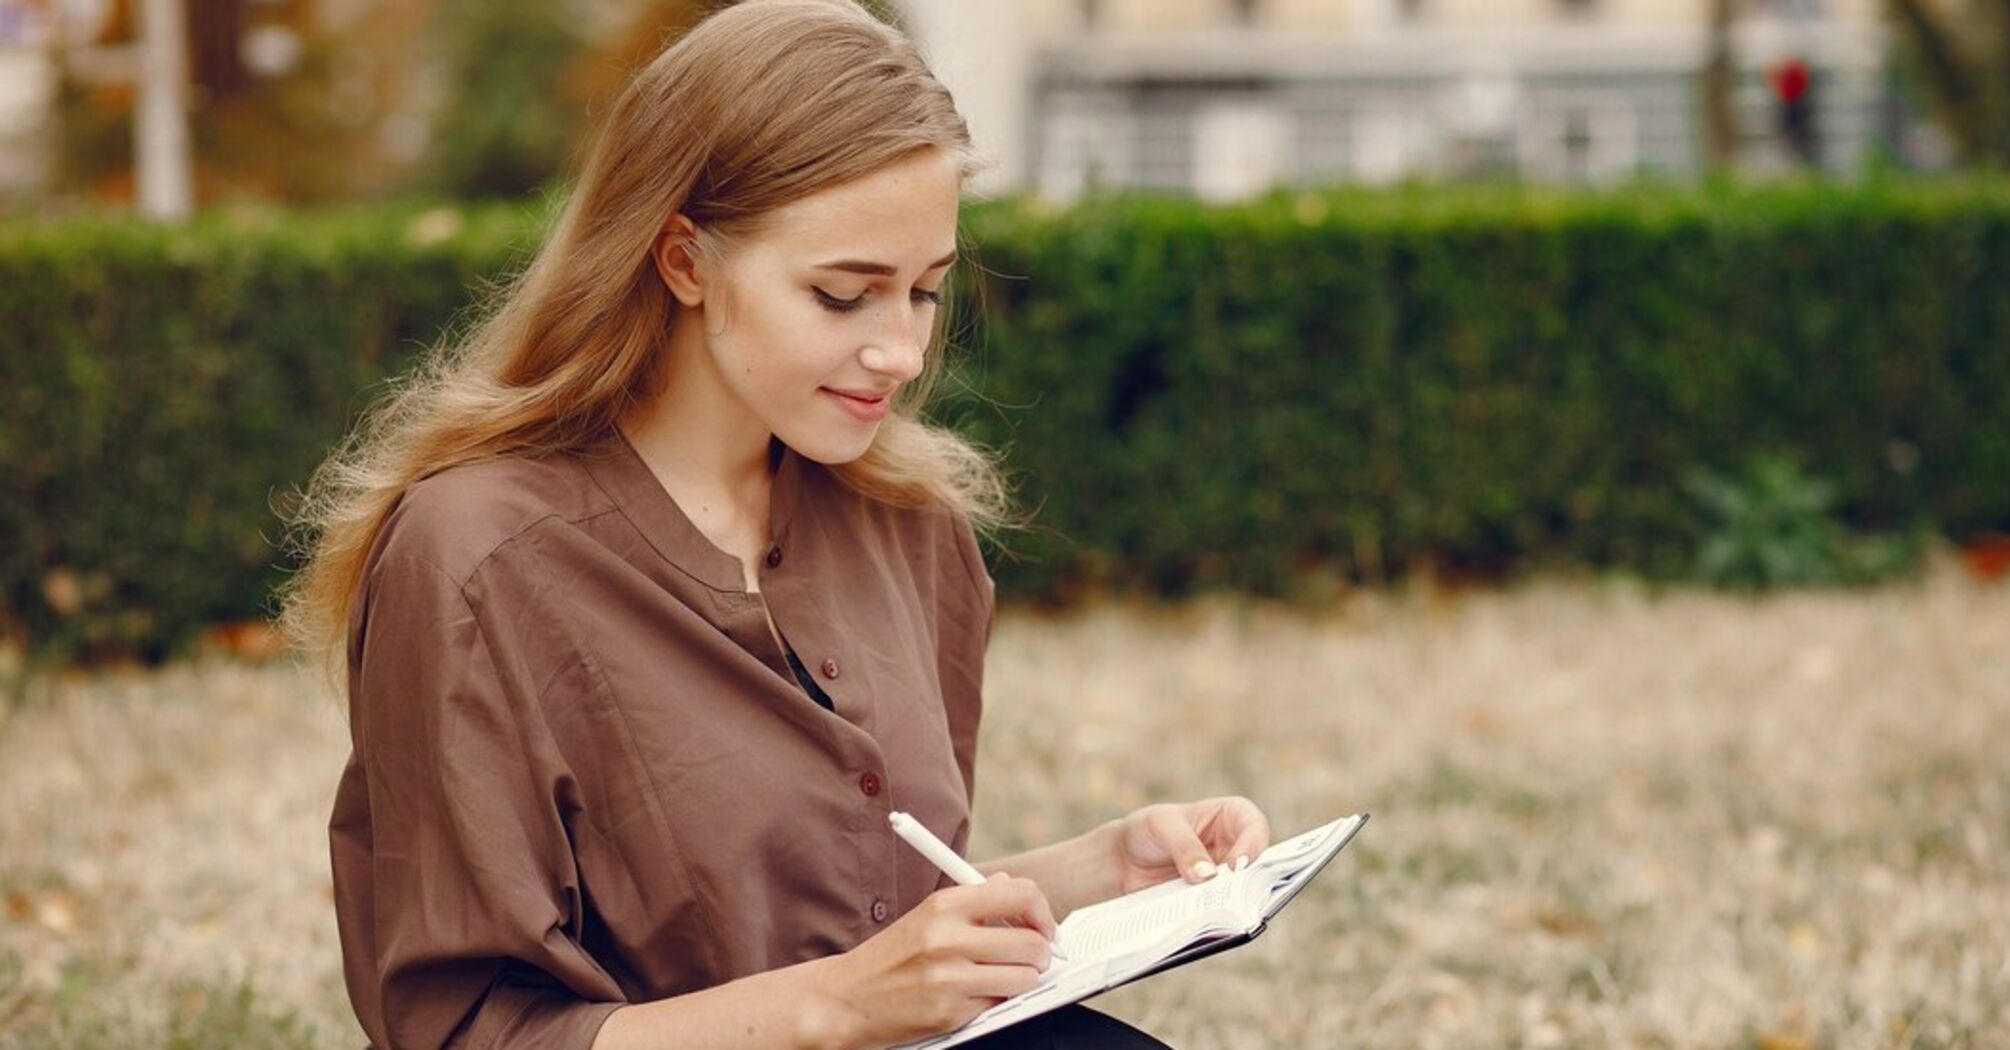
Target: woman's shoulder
(934,538)
(457,517)
(911,524)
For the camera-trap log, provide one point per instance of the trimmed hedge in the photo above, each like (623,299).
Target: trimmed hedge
(1310,386)
(1358,380)
(161,388)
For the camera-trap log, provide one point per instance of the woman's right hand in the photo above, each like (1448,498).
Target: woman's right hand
(940,964)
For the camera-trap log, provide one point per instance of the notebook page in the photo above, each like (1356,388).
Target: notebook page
(1147,917)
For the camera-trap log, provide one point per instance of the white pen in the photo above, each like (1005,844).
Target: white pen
(939,854)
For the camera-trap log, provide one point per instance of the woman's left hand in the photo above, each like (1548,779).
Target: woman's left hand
(1187,839)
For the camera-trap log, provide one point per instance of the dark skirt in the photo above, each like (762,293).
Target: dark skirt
(1072,1027)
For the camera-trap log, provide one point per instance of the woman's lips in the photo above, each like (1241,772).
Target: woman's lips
(863,409)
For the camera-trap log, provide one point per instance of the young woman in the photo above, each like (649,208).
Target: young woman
(655,596)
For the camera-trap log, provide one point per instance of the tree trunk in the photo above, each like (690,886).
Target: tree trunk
(1953,85)
(2003,82)
(1720,120)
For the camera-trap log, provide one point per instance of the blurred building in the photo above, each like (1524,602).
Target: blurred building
(1220,98)
(1224,98)
(27,89)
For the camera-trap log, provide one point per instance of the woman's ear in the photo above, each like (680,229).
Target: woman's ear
(675,262)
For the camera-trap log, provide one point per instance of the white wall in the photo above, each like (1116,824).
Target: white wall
(980,53)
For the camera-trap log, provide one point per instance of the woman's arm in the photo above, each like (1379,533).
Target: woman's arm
(1073,873)
(1146,846)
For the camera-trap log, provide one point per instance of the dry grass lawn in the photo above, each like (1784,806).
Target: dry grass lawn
(1603,817)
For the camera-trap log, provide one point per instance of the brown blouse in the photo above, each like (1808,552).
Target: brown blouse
(583,774)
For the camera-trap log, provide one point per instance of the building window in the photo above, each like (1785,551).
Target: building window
(1410,10)
(1578,8)
(1091,12)
(1387,141)
(1576,147)
(1244,12)
(1085,147)
(1580,137)
(1240,149)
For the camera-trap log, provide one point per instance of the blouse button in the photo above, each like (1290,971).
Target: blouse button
(879,911)
(869,783)
(830,668)
(774,555)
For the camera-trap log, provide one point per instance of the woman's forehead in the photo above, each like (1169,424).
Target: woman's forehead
(903,214)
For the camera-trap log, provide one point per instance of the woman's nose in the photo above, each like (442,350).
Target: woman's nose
(899,350)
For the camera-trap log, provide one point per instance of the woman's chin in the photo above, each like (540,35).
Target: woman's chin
(832,449)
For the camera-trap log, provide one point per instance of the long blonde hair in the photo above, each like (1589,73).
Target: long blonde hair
(757,106)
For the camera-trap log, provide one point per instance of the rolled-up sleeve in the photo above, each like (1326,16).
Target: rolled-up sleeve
(457,893)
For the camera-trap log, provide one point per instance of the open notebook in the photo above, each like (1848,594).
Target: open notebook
(1160,927)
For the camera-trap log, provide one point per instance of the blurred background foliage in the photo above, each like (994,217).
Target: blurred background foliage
(467,98)
(1960,51)
(1283,398)
(507,126)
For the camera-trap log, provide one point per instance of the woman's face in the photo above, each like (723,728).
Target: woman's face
(815,323)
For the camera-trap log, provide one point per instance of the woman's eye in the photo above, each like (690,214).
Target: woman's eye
(845,306)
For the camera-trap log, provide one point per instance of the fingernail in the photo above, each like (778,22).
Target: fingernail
(1205,869)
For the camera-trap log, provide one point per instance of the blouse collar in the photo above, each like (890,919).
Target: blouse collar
(621,472)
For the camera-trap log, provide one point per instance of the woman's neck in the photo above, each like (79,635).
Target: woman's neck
(709,454)
(699,427)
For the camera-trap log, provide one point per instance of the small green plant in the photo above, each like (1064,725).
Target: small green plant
(223,1014)
(1772,525)
(200,1013)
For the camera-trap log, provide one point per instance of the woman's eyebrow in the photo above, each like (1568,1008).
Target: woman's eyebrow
(879,269)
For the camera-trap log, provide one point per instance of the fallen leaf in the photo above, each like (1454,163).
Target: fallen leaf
(1563,923)
(57,911)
